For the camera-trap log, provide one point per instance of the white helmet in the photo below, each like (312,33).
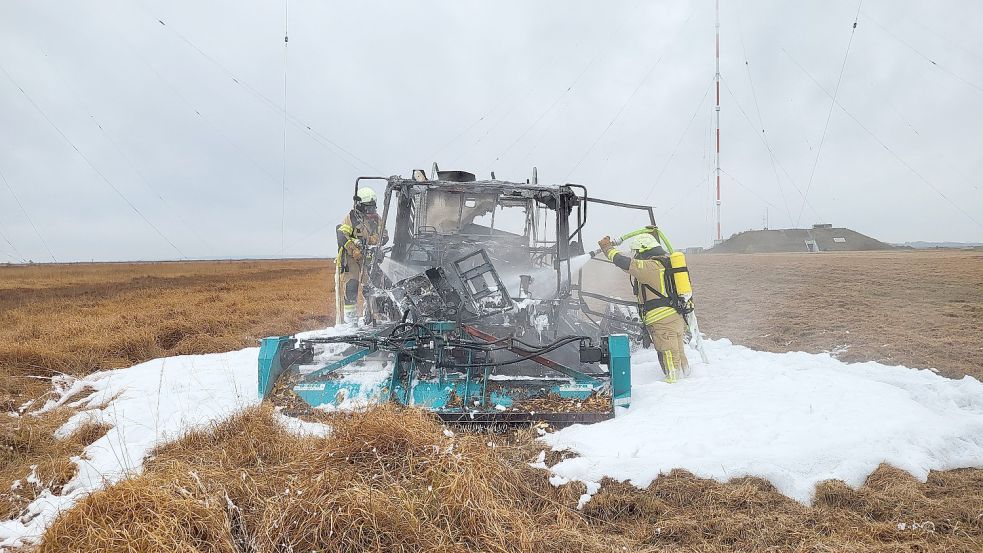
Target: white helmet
(365,199)
(644,243)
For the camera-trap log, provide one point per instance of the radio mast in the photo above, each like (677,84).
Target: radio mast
(716,80)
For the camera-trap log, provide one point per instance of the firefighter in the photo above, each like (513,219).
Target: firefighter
(659,306)
(357,231)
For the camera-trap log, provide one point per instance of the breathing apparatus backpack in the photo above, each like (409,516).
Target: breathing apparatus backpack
(676,282)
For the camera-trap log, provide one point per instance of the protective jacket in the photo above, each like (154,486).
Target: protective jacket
(354,233)
(656,300)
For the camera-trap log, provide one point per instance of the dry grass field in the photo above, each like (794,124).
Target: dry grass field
(921,309)
(377,485)
(916,308)
(77,319)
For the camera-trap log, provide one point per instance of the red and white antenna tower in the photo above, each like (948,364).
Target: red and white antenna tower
(716,80)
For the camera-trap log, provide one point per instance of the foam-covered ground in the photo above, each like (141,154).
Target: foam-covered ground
(794,419)
(146,405)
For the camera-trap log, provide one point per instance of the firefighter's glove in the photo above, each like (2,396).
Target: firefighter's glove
(373,239)
(605,244)
(356,255)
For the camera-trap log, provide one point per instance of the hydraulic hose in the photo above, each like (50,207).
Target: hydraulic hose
(533,355)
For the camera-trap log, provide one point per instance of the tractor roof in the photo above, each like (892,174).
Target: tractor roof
(517,189)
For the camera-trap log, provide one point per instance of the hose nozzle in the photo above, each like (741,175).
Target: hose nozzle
(614,242)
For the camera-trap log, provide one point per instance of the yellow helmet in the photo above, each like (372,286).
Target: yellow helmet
(644,243)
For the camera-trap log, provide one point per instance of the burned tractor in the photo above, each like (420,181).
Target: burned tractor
(475,311)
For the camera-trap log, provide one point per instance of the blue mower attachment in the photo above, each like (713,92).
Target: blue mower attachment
(460,372)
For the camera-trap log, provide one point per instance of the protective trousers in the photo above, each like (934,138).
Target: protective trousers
(347,277)
(667,337)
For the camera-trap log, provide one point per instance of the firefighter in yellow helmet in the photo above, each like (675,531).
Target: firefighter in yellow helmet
(359,230)
(659,306)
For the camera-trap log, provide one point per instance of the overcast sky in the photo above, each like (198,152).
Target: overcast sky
(179,127)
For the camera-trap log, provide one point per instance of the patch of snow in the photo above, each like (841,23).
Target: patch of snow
(557,480)
(146,405)
(300,427)
(508,378)
(370,376)
(794,419)
(32,478)
(76,421)
(359,402)
(592,488)
(64,387)
(328,332)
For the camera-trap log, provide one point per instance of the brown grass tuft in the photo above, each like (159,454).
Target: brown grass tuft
(386,480)
(892,512)
(390,479)
(155,514)
(28,445)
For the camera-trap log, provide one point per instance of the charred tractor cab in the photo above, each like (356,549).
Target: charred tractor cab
(476,310)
